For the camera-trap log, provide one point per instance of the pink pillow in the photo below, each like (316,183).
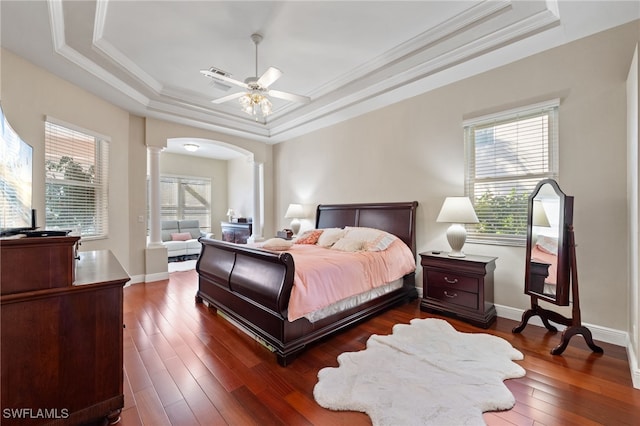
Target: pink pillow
(182,236)
(309,237)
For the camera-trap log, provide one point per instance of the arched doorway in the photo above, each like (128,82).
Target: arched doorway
(244,180)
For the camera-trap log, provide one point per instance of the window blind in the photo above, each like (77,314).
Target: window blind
(186,198)
(506,156)
(77,164)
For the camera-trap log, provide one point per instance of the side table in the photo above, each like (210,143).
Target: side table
(459,286)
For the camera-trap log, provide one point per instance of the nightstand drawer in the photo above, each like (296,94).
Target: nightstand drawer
(453,281)
(454,296)
(460,287)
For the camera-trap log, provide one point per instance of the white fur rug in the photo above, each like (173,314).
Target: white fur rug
(425,373)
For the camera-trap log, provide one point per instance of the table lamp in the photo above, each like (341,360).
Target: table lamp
(294,212)
(457,211)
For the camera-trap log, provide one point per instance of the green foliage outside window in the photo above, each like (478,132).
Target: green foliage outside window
(502,214)
(70,195)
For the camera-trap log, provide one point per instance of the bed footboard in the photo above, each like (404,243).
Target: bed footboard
(249,285)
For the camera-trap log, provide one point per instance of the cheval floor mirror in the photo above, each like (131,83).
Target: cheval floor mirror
(551,273)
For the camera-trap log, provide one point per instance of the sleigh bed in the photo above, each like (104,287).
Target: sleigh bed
(253,286)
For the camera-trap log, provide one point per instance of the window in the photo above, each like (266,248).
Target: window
(76,163)
(507,154)
(186,198)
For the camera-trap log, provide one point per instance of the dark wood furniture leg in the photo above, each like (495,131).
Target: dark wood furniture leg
(574,324)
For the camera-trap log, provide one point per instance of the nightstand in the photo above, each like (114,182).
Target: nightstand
(459,286)
(236,232)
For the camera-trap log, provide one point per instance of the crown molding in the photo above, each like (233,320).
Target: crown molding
(355,92)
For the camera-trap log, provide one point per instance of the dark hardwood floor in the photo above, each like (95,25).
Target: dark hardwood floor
(187,366)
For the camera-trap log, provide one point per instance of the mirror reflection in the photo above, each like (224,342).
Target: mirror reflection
(544,251)
(546,273)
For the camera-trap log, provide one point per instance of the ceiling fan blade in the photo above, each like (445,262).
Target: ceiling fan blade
(227,98)
(289,96)
(224,78)
(269,77)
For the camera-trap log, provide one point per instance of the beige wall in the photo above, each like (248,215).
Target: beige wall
(137,196)
(414,150)
(29,93)
(241,178)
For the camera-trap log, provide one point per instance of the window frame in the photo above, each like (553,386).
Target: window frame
(99,183)
(525,180)
(181,212)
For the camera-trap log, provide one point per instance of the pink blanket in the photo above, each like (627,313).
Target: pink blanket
(324,276)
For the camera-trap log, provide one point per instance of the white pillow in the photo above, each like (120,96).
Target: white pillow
(348,244)
(375,239)
(548,244)
(330,236)
(277,244)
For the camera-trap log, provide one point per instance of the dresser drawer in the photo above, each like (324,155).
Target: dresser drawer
(454,296)
(452,281)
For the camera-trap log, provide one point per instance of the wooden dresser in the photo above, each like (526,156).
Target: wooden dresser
(459,286)
(236,232)
(62,320)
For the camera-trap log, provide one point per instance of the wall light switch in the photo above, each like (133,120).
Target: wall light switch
(141,219)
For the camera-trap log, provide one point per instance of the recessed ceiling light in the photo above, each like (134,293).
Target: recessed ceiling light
(191,147)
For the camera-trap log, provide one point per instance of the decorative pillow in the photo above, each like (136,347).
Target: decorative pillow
(329,236)
(181,236)
(375,239)
(348,244)
(309,237)
(277,244)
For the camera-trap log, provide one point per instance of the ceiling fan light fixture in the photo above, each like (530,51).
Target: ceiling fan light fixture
(265,106)
(191,147)
(255,103)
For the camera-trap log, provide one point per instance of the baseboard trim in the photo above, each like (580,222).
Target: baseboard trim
(603,334)
(135,279)
(160,276)
(633,365)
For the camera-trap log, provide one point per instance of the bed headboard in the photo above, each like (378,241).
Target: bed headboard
(396,218)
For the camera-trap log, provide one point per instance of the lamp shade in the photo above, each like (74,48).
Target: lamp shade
(539,217)
(457,210)
(230,212)
(294,211)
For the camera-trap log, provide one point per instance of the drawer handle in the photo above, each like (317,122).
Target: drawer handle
(450,295)
(451,281)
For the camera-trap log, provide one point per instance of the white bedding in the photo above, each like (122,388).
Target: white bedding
(350,302)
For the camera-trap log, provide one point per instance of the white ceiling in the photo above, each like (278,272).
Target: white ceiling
(350,57)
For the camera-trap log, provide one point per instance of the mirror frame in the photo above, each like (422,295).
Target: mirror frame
(563,281)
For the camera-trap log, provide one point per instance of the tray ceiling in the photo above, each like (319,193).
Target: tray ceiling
(350,57)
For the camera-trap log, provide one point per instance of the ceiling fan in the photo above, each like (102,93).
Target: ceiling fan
(255,99)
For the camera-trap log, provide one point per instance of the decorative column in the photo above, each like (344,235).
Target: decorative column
(155,238)
(258,209)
